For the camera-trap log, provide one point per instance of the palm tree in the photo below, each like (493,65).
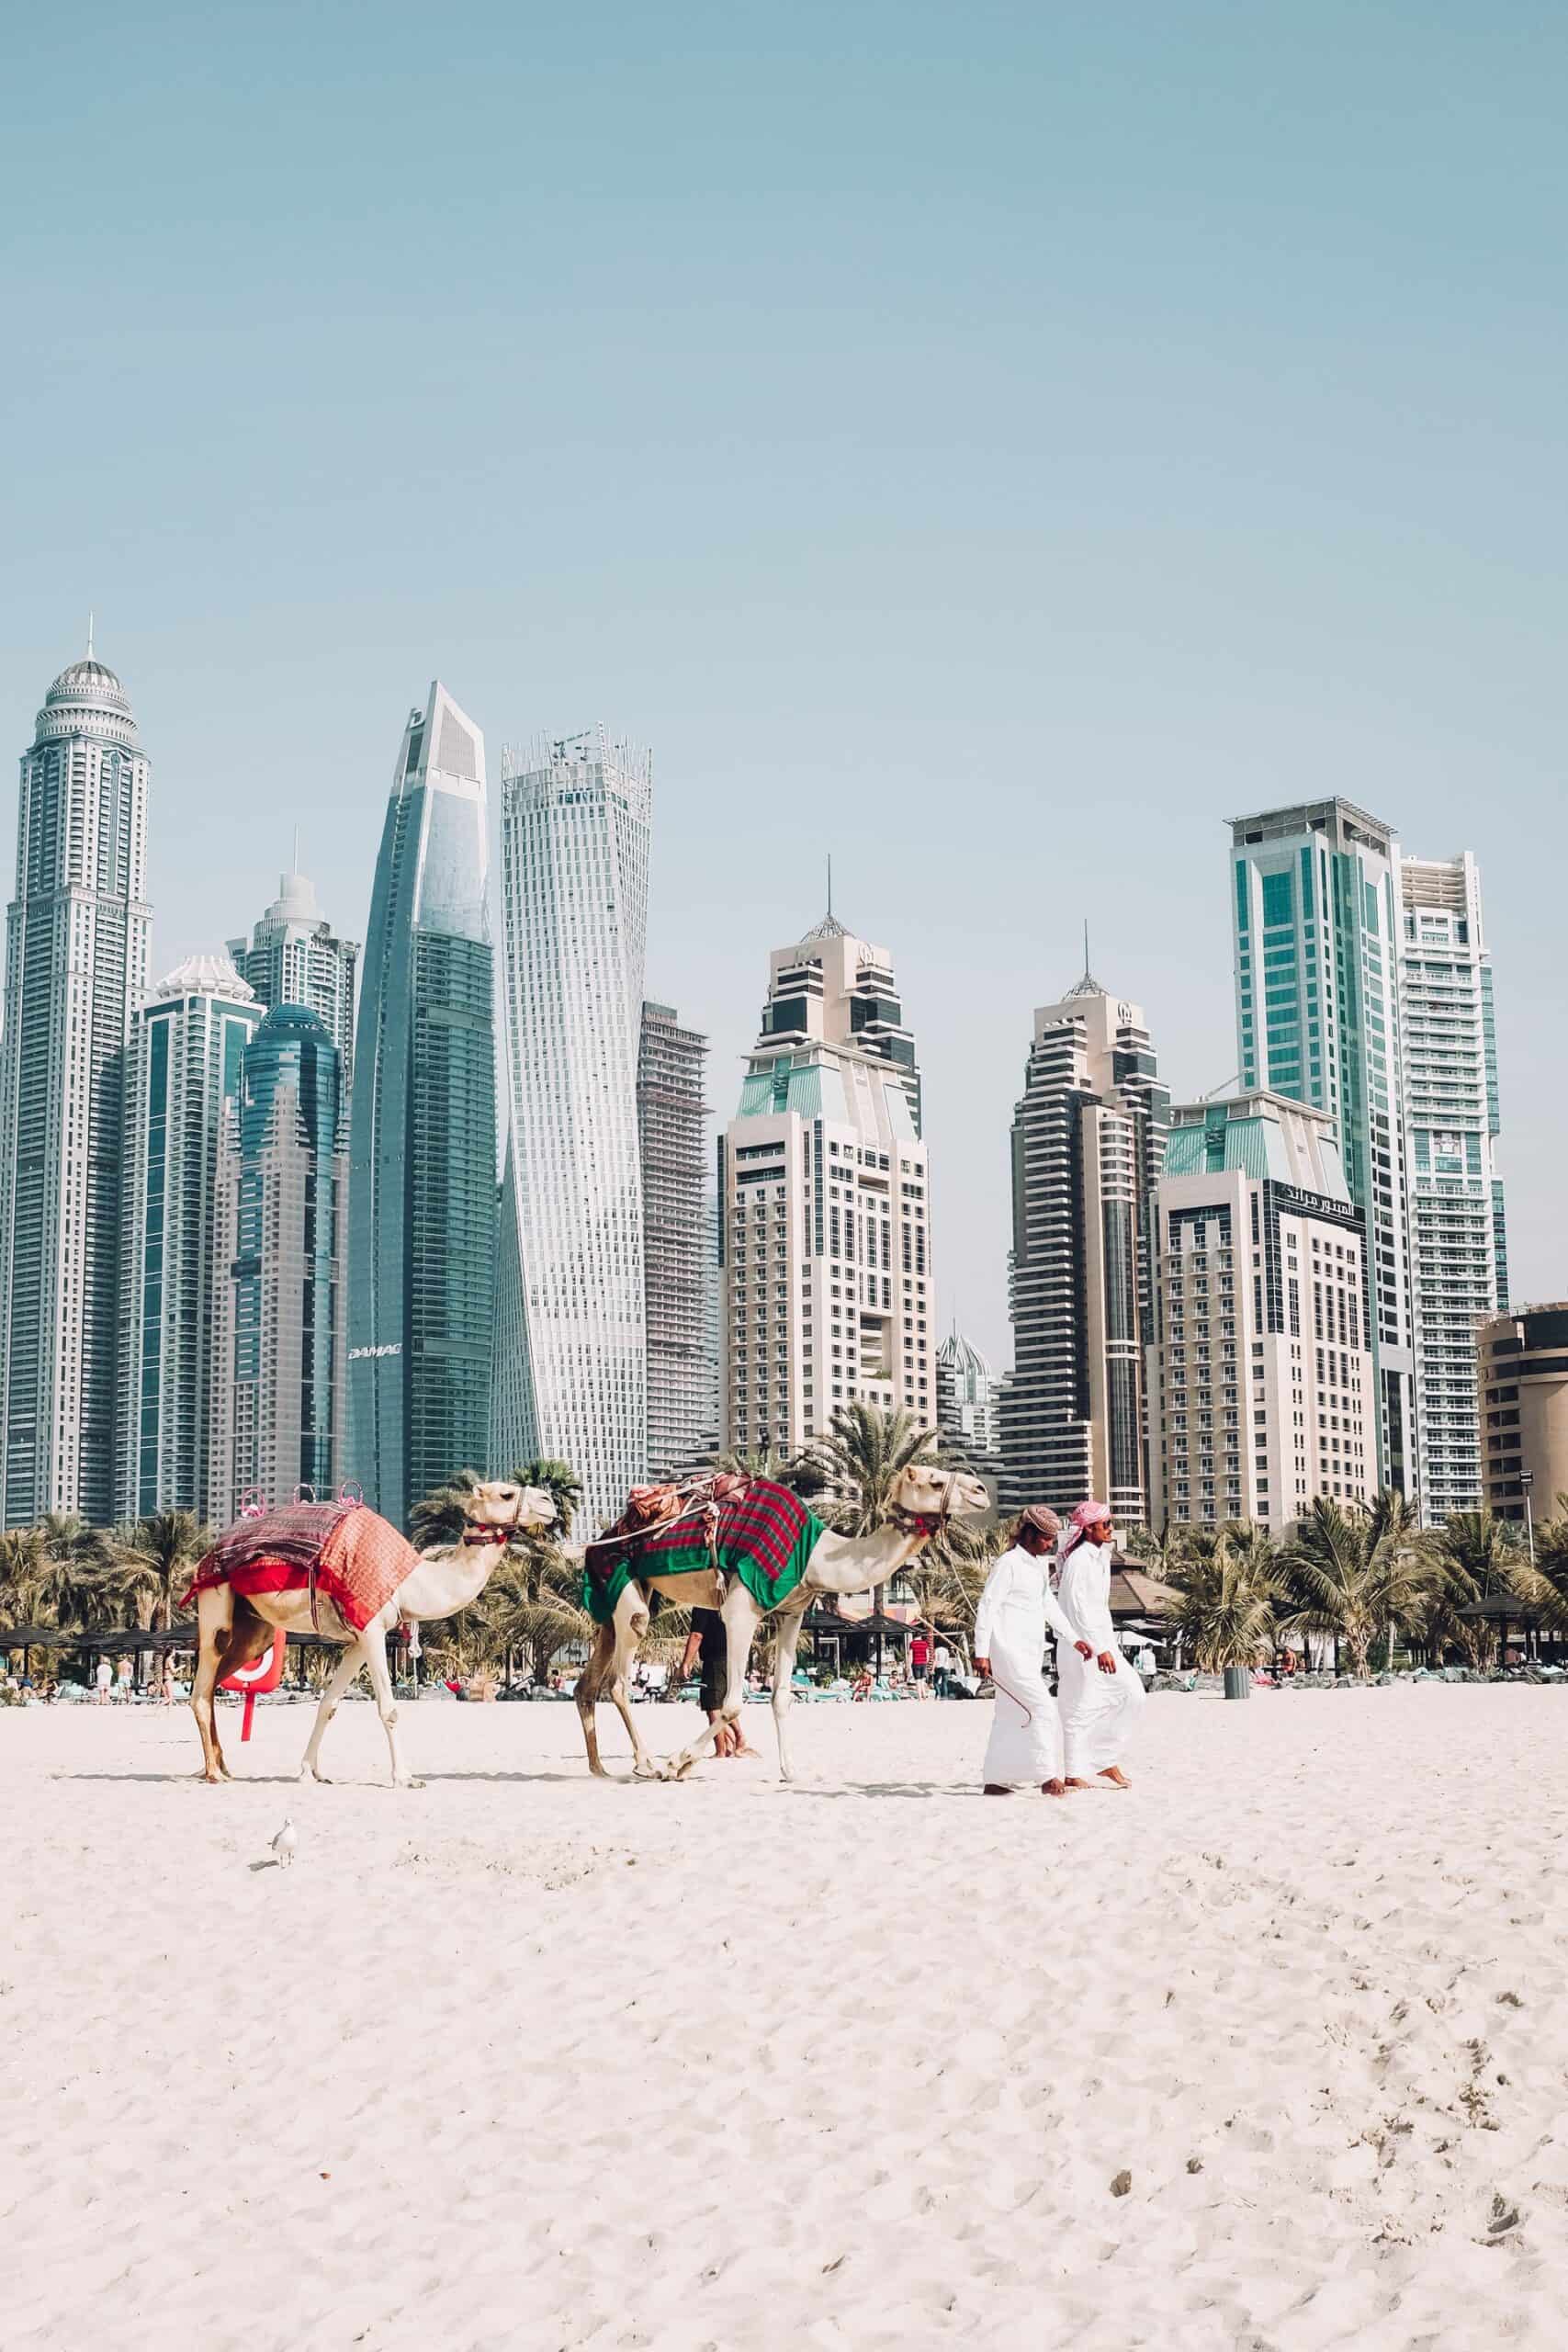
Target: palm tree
(864,1453)
(159,1552)
(1475,1557)
(1352,1574)
(1230,1594)
(59,1574)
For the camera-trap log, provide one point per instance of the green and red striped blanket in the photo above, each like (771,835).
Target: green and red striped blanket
(764,1536)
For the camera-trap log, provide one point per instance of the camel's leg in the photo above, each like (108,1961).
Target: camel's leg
(787,1625)
(373,1647)
(590,1683)
(604,1676)
(215,1622)
(632,1620)
(741,1618)
(341,1677)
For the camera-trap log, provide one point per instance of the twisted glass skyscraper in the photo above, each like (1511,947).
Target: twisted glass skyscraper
(574,836)
(421,1245)
(76,964)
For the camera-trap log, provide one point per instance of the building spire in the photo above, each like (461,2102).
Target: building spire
(1088,985)
(830,927)
(89,637)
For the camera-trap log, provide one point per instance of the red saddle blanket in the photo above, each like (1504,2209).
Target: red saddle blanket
(359,1560)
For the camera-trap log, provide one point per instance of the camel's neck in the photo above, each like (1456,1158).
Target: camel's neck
(446,1580)
(843,1564)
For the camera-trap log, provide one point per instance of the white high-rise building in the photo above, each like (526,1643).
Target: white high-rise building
(187,1054)
(294,956)
(1318,918)
(1457,1259)
(75,969)
(575,819)
(1262,1379)
(828,1290)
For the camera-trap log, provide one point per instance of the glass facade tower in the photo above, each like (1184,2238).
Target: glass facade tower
(187,1046)
(1088,1141)
(1317,906)
(422,1236)
(75,968)
(575,818)
(277,1403)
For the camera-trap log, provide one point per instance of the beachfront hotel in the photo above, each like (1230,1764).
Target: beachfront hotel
(75,969)
(183,1075)
(1261,1385)
(571,1369)
(280,1232)
(1458,1250)
(678,1242)
(1088,1137)
(824,1204)
(1318,920)
(422,1124)
(294,956)
(1523,1376)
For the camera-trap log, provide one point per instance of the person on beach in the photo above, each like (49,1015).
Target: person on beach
(1016,1607)
(941,1670)
(103,1680)
(1101,1695)
(708,1642)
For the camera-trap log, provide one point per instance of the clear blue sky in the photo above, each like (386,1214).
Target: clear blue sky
(993,442)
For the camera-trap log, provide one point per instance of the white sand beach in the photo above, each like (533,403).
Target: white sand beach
(518,2059)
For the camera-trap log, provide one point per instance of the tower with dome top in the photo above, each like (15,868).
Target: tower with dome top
(75,969)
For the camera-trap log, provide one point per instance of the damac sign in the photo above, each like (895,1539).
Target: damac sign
(392,1348)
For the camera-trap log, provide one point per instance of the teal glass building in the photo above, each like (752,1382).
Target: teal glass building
(278,1406)
(423,1190)
(188,1047)
(1315,898)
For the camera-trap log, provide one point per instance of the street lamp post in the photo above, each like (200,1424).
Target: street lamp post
(1527,1480)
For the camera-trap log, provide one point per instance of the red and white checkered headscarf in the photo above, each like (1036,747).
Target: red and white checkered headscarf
(1087,1515)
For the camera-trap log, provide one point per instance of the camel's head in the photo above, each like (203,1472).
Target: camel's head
(498,1508)
(931,1496)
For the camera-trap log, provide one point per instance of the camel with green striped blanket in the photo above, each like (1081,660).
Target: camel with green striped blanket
(761,1555)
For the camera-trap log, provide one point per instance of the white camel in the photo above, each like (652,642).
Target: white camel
(235,1628)
(922,1499)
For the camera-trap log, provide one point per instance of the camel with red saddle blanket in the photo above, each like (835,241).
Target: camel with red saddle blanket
(341,1570)
(752,1550)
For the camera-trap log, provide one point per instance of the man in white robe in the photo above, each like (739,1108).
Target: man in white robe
(1101,1696)
(1015,1609)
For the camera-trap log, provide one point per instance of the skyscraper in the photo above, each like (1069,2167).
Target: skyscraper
(575,817)
(277,1391)
(683,1377)
(76,966)
(183,1072)
(968,1406)
(423,1227)
(1088,1137)
(825,1237)
(1458,1258)
(294,956)
(1523,1372)
(1318,922)
(1262,1390)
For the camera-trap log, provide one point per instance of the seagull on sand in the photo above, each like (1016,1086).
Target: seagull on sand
(285,1842)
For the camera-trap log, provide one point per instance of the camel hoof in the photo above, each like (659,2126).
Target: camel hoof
(409,1780)
(309,1773)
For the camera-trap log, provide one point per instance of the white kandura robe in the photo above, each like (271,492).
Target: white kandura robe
(1010,1629)
(1099,1712)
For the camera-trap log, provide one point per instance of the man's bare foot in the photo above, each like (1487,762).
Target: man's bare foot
(1053,1788)
(996,1789)
(1074,1785)
(1115,1775)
